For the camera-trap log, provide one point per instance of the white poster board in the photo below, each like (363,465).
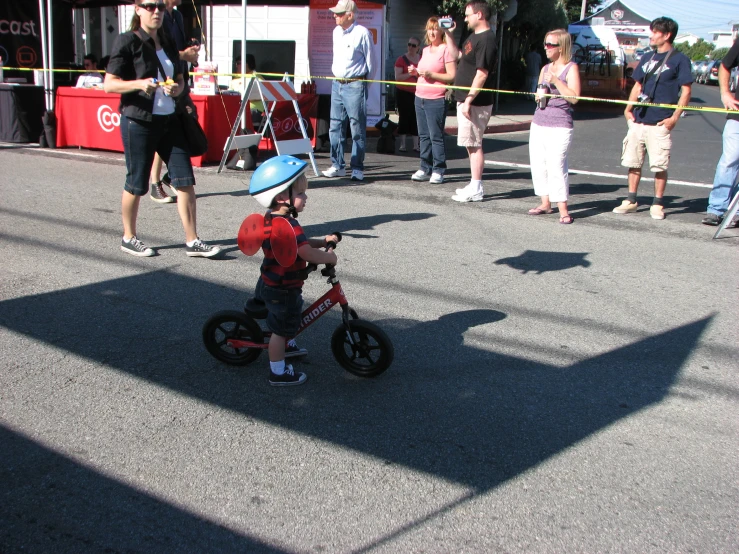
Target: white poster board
(321,48)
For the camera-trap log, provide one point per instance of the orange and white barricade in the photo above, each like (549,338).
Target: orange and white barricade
(270,93)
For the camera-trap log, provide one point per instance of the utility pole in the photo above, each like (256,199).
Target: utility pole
(582,10)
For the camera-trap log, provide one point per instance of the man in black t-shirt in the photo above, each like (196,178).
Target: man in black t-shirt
(725,181)
(474,106)
(662,77)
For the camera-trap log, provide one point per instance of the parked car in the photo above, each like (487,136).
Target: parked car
(700,71)
(711,74)
(734,79)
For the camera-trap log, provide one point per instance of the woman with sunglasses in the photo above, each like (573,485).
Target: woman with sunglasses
(551,129)
(438,67)
(405,94)
(144,69)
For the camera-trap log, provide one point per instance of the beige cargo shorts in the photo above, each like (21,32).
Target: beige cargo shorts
(655,140)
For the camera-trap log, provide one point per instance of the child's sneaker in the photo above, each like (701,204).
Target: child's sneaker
(288,378)
(292,350)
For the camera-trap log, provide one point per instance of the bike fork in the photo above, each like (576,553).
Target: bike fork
(346,318)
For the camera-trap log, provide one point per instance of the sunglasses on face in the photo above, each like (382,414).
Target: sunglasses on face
(550,45)
(339,14)
(412,45)
(151,7)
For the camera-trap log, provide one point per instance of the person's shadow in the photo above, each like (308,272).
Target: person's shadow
(541,261)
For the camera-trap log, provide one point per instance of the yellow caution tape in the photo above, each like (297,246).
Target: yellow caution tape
(406,83)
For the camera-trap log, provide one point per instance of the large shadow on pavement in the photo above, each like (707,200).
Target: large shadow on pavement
(447,407)
(50,503)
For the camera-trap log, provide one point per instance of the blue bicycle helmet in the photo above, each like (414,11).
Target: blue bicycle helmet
(274,176)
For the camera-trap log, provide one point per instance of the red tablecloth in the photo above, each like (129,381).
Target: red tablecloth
(89,118)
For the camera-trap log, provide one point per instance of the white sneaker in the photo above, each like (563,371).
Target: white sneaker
(334,172)
(419,175)
(357,175)
(436,179)
(468,197)
(466,190)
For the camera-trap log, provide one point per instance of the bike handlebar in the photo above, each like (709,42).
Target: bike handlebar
(327,271)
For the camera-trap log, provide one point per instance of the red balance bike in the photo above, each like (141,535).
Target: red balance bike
(235,338)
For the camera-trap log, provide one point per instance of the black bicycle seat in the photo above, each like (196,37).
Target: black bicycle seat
(256,308)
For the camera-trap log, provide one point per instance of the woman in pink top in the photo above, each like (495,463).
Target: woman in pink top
(404,94)
(437,68)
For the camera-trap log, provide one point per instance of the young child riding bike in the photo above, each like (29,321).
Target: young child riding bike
(280,184)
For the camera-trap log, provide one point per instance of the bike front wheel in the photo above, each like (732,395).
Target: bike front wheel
(232,325)
(370,354)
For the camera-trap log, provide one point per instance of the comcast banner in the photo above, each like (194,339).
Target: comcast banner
(321,53)
(20,34)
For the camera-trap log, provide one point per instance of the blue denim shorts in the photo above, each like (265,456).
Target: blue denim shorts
(142,139)
(284,308)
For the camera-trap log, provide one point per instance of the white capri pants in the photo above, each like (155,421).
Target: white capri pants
(548,147)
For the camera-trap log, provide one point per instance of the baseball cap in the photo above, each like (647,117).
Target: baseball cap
(344,6)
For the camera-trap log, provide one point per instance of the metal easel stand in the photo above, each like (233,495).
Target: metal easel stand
(270,93)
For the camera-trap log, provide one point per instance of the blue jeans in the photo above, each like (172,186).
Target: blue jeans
(431,116)
(348,101)
(284,308)
(727,170)
(142,139)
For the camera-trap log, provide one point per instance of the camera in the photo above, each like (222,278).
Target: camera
(446,22)
(194,42)
(644,99)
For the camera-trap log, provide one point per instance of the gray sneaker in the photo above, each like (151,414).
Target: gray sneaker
(712,219)
(201,250)
(136,248)
(158,194)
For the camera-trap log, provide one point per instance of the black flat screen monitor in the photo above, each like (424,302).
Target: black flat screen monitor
(272,56)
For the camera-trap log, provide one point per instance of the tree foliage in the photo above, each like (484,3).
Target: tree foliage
(455,8)
(573,8)
(698,51)
(719,53)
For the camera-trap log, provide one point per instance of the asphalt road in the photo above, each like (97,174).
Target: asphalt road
(555,388)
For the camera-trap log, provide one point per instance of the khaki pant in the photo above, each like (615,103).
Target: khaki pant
(470,132)
(655,140)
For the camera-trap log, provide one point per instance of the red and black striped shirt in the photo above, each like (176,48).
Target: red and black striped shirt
(273,274)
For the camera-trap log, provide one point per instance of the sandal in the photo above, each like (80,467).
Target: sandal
(566,220)
(540,211)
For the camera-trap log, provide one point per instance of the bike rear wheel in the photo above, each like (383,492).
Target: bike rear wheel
(232,325)
(372,351)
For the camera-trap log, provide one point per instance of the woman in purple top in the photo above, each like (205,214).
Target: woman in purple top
(551,129)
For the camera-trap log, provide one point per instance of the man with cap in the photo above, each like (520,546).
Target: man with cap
(353,65)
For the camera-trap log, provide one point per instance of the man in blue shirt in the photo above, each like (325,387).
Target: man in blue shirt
(353,65)
(726,182)
(662,77)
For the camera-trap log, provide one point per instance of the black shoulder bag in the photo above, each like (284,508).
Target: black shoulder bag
(195,138)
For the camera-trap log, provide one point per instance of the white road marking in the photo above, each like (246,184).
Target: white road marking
(610,175)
